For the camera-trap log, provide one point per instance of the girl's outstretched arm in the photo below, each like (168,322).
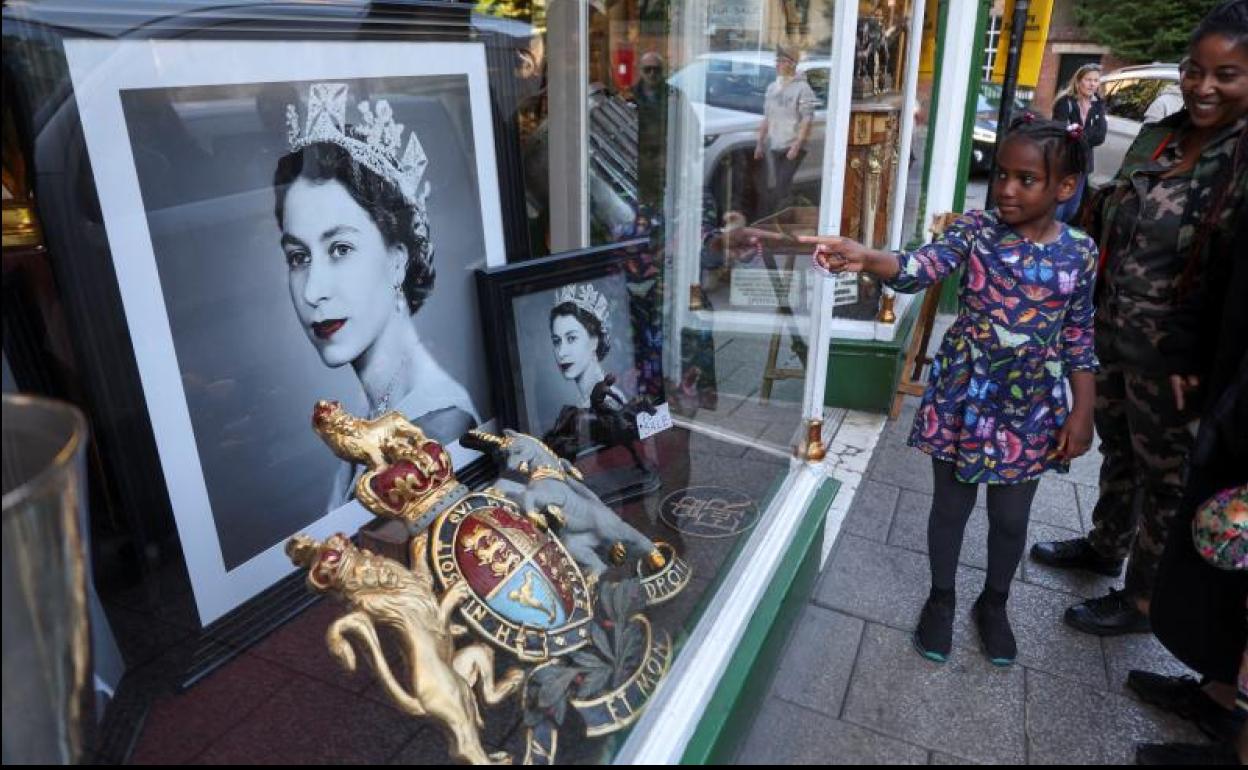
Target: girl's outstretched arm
(907,272)
(844,255)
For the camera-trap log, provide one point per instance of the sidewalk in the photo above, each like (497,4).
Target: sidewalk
(851,689)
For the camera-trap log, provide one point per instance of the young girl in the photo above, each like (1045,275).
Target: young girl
(995,410)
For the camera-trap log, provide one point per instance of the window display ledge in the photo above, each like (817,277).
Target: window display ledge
(863,372)
(703,706)
(851,329)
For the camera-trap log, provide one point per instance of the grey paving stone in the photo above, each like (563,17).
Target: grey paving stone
(871,515)
(888,585)
(818,660)
(1140,651)
(901,465)
(1071,724)
(1087,503)
(785,734)
(874,581)
(966,707)
(1086,470)
(1076,582)
(941,758)
(1055,503)
(1044,641)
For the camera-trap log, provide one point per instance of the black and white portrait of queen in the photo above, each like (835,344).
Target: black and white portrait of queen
(290,221)
(351,201)
(580,336)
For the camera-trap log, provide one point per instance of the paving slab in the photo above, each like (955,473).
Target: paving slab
(1087,503)
(1071,724)
(787,734)
(873,581)
(904,466)
(966,707)
(818,660)
(871,515)
(1076,582)
(1056,502)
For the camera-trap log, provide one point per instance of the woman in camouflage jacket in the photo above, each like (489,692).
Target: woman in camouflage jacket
(1164,221)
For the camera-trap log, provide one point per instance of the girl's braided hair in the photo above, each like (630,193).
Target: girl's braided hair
(1063,146)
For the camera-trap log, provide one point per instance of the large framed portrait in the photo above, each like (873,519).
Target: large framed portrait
(290,221)
(576,340)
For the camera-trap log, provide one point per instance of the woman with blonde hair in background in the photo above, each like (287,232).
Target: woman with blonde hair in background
(1079,104)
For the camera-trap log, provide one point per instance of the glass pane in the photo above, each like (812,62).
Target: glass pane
(876,166)
(681,145)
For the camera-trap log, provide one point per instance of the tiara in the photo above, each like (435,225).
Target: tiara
(589,299)
(373,143)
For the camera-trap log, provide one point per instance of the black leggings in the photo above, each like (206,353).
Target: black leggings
(1009,506)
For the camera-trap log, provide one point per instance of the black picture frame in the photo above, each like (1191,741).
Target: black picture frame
(43,104)
(501,288)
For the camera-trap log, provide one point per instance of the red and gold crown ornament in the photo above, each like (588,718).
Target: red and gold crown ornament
(409,476)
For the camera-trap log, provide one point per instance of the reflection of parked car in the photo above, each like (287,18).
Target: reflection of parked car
(984,133)
(726,90)
(1133,96)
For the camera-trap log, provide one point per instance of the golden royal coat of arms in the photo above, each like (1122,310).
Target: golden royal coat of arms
(489,568)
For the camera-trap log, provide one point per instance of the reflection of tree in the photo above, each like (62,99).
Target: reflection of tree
(532,11)
(797,16)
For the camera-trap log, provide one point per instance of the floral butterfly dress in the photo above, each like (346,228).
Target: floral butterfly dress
(996,395)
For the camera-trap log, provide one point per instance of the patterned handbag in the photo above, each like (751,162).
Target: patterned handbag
(1220,529)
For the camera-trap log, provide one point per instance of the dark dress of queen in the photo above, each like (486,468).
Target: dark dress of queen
(355,234)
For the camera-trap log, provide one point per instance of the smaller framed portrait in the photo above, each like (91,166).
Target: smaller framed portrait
(575,340)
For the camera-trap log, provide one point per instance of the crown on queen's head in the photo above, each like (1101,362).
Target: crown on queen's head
(374,142)
(589,299)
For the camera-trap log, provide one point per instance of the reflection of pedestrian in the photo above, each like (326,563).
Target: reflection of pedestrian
(1080,104)
(788,114)
(355,236)
(650,94)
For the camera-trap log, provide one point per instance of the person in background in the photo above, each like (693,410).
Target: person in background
(1080,104)
(1170,211)
(788,114)
(650,94)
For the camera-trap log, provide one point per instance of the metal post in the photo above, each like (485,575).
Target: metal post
(1018,25)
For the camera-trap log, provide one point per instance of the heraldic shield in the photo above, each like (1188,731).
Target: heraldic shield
(526,594)
(485,574)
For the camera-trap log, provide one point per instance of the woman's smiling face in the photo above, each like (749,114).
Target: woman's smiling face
(342,275)
(1214,82)
(574,346)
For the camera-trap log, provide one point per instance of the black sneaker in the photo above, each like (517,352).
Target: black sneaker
(1186,754)
(933,637)
(1075,554)
(1114,614)
(1182,695)
(995,635)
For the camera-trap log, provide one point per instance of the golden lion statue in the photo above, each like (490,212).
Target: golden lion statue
(368,442)
(383,592)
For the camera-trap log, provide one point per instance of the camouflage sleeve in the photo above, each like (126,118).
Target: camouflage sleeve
(1078,352)
(930,264)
